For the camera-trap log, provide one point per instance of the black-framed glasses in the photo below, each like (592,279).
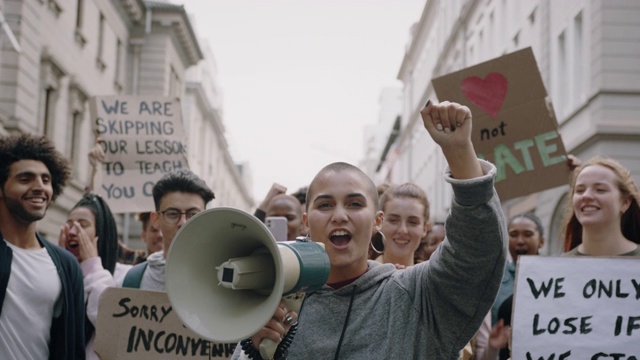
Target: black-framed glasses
(172,216)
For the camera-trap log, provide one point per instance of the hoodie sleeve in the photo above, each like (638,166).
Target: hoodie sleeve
(463,276)
(96,279)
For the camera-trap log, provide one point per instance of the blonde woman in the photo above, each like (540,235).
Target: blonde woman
(603,213)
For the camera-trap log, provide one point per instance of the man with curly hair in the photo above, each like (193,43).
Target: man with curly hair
(41,289)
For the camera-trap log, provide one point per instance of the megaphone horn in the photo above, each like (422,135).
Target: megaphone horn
(226,274)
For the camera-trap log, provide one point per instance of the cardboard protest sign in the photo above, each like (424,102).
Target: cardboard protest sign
(141,325)
(576,308)
(514,125)
(143,138)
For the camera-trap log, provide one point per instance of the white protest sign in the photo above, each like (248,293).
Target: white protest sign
(141,325)
(143,138)
(576,307)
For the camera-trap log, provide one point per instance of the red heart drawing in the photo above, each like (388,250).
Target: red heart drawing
(487,94)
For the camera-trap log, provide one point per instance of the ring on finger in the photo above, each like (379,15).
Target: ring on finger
(288,319)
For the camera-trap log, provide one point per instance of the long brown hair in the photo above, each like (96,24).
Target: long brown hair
(630,221)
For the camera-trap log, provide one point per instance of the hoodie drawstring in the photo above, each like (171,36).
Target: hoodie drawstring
(346,321)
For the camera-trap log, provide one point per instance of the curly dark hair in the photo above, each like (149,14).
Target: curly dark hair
(34,147)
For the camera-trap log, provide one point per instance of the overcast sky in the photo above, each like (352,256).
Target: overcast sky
(302,78)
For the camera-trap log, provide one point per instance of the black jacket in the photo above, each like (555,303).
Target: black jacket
(67,330)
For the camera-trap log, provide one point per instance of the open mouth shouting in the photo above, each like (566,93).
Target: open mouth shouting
(74,247)
(521,251)
(340,238)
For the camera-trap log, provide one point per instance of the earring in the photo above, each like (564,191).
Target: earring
(378,237)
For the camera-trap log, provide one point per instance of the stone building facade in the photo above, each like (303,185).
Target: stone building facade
(71,50)
(587,52)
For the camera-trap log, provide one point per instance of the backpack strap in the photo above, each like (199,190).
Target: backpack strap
(133,278)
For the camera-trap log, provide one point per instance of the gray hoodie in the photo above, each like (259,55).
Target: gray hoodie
(153,278)
(428,311)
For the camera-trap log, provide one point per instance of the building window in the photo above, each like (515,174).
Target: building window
(561,75)
(50,76)
(532,17)
(76,126)
(79,37)
(202,143)
(503,23)
(118,81)
(492,34)
(555,240)
(79,7)
(99,60)
(481,46)
(54,7)
(50,95)
(579,57)
(175,85)
(514,15)
(77,109)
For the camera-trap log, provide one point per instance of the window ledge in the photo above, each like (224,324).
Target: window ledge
(54,7)
(80,39)
(100,64)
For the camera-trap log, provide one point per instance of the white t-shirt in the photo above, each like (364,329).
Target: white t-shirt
(33,297)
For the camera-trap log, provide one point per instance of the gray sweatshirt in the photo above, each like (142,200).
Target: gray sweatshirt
(153,278)
(428,311)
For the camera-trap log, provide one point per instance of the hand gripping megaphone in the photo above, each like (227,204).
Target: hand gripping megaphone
(226,275)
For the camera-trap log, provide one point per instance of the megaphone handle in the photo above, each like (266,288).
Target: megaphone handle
(292,302)
(268,348)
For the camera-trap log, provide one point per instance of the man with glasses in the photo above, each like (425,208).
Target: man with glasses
(177,197)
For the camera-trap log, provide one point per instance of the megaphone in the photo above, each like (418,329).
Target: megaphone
(226,275)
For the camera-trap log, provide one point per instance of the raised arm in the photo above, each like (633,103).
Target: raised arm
(276,189)
(463,275)
(96,155)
